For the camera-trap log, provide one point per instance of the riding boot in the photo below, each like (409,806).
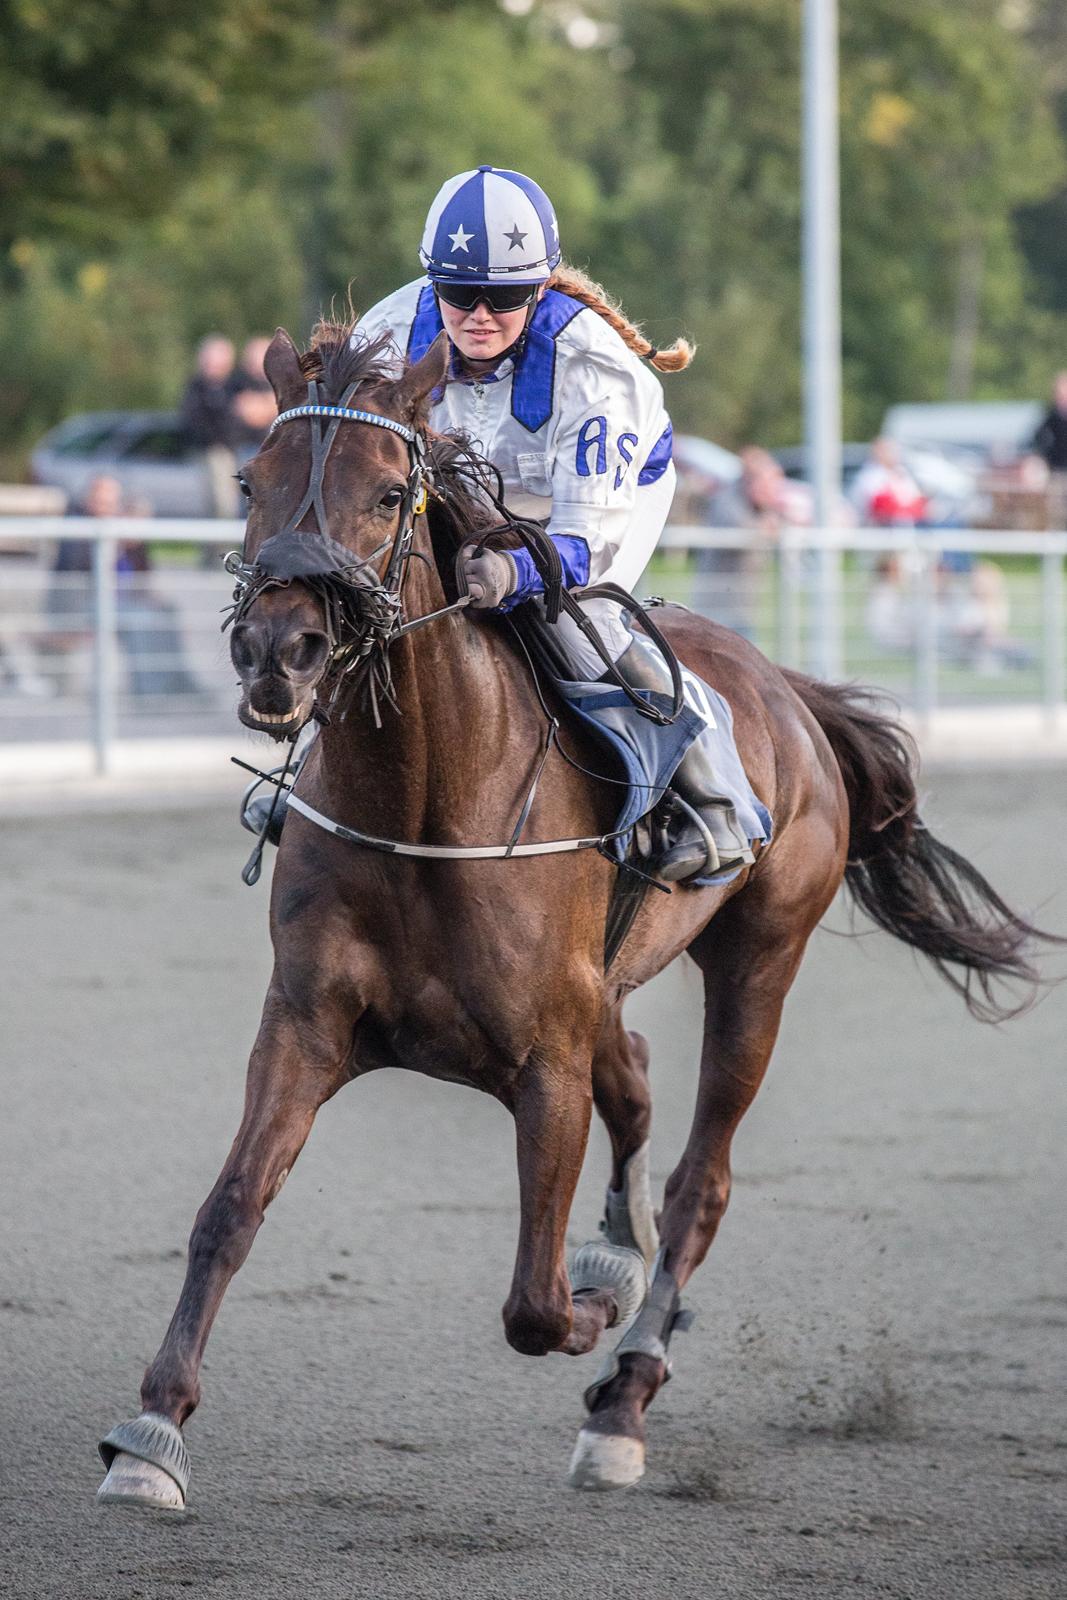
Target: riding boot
(711,839)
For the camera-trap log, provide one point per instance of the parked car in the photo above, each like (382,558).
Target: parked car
(979,433)
(793,461)
(147,451)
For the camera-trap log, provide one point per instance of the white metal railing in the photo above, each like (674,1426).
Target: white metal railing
(937,617)
(103,654)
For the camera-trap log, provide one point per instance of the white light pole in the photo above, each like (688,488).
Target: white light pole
(822,317)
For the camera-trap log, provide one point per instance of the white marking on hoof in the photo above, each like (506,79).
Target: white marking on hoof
(606,1461)
(133,1482)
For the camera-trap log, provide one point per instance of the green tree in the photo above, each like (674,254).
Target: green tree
(235,164)
(943,137)
(111,106)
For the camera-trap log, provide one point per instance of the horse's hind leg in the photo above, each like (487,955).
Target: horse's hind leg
(622,1097)
(749,957)
(292,1071)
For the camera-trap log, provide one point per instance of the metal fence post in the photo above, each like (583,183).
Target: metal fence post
(828,643)
(925,567)
(788,618)
(1052,642)
(105,662)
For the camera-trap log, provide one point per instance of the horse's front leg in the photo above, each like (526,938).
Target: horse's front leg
(546,1310)
(295,1066)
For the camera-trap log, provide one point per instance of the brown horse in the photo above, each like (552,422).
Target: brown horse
(491,972)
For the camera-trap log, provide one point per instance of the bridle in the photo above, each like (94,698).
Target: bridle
(363,606)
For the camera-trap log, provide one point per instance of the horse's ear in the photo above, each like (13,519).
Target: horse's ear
(419,381)
(282,367)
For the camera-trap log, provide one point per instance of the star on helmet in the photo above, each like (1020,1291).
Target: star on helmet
(460,239)
(517,239)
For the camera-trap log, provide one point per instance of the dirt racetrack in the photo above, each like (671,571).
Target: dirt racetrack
(870,1401)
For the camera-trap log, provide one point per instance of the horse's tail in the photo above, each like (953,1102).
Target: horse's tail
(906,880)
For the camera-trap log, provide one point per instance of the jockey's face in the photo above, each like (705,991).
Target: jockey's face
(482,336)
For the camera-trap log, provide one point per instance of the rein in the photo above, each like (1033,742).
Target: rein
(363,610)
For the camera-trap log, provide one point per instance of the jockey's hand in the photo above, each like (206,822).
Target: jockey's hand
(490,577)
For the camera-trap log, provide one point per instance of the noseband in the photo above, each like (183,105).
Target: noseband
(363,607)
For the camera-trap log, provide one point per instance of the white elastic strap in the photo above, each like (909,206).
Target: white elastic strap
(442,852)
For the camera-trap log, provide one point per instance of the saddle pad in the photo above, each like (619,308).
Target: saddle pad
(649,753)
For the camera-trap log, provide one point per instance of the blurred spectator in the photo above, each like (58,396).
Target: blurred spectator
(890,609)
(68,606)
(971,616)
(147,627)
(761,501)
(976,616)
(208,418)
(762,498)
(1050,440)
(884,492)
(253,406)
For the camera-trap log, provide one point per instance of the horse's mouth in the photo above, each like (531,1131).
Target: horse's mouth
(279,724)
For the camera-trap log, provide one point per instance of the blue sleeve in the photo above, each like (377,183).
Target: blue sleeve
(574,554)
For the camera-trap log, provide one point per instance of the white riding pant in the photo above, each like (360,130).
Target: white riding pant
(650,513)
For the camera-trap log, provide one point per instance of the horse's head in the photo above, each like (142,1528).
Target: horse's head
(332,502)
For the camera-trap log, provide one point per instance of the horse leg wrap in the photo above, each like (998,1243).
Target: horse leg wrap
(154,1439)
(628,1215)
(650,1335)
(615,1267)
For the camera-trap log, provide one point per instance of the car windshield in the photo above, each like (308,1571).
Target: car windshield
(87,441)
(160,443)
(701,455)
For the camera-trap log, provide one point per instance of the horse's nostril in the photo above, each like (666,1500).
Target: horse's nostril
(306,653)
(242,653)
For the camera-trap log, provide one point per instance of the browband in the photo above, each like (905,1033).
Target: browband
(346,415)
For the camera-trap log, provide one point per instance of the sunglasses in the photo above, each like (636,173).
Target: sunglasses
(497,296)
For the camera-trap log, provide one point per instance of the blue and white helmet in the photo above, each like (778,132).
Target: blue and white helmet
(491,226)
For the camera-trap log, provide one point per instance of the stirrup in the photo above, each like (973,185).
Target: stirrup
(696,854)
(255,809)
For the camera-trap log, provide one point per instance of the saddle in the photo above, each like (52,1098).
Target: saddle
(642,755)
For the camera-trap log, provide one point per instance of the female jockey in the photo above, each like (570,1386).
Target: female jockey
(548,380)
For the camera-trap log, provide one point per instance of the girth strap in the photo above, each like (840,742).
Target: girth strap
(450,852)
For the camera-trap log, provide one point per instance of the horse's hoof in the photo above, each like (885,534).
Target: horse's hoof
(599,1265)
(147,1462)
(132,1482)
(606,1461)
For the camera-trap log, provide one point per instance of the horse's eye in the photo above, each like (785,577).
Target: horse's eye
(244,486)
(391,500)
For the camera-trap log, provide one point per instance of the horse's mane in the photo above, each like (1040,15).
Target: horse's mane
(462,478)
(338,356)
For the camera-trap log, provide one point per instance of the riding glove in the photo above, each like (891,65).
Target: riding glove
(490,576)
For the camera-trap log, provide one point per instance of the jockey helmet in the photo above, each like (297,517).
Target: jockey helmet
(490,226)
